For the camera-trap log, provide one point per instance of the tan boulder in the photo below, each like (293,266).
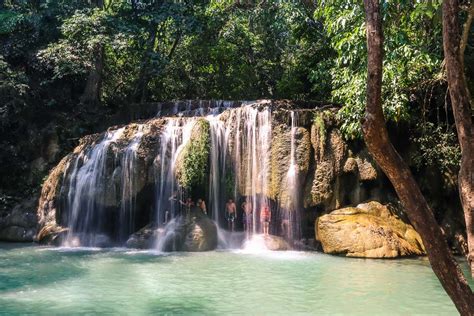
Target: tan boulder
(370,230)
(275,243)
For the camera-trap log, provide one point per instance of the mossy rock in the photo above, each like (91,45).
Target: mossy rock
(280,159)
(370,230)
(193,160)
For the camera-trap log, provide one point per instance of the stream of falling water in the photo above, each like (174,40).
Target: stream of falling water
(291,217)
(239,169)
(129,180)
(86,191)
(174,137)
(240,163)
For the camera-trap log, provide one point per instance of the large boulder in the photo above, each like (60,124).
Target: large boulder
(200,233)
(145,238)
(276,243)
(192,232)
(370,230)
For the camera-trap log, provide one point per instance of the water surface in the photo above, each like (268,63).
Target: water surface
(119,281)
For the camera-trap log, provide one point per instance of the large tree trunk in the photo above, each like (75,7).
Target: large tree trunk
(91,94)
(141,89)
(381,148)
(466,31)
(460,101)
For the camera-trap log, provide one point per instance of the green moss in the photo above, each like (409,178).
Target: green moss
(320,125)
(280,158)
(229,183)
(303,149)
(193,163)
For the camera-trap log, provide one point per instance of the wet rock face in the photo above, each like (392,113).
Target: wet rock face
(20,225)
(145,238)
(110,192)
(370,230)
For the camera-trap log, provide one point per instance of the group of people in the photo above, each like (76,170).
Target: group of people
(188,204)
(248,216)
(230,213)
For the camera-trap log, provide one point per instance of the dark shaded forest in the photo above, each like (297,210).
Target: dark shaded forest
(69,68)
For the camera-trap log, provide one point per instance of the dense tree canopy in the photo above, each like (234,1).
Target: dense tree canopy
(83,59)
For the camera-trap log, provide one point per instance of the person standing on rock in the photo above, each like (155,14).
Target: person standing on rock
(174,209)
(188,204)
(247,216)
(265,217)
(230,214)
(202,206)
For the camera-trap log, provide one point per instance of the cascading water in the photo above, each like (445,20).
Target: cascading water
(239,167)
(85,194)
(238,164)
(218,158)
(129,180)
(174,137)
(253,154)
(291,214)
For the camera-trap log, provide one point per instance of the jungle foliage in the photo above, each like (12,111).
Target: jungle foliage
(82,60)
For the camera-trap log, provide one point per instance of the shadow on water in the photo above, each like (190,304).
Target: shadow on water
(5,246)
(20,267)
(181,306)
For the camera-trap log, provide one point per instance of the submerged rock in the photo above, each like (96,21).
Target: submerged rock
(370,230)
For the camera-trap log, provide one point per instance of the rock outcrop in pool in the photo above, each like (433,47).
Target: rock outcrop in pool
(369,230)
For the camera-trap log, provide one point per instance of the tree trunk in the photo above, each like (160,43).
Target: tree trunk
(380,147)
(460,101)
(91,94)
(465,32)
(140,94)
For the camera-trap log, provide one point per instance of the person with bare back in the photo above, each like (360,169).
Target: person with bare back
(265,217)
(230,214)
(247,215)
(202,206)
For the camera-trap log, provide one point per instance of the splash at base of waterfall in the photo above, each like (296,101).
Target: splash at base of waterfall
(229,240)
(256,245)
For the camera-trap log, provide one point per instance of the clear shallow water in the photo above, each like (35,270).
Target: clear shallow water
(119,281)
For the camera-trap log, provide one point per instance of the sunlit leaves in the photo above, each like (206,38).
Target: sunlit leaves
(412,32)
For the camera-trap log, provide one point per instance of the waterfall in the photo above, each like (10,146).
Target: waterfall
(129,183)
(174,137)
(239,166)
(247,162)
(217,176)
(290,216)
(85,194)
(254,138)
